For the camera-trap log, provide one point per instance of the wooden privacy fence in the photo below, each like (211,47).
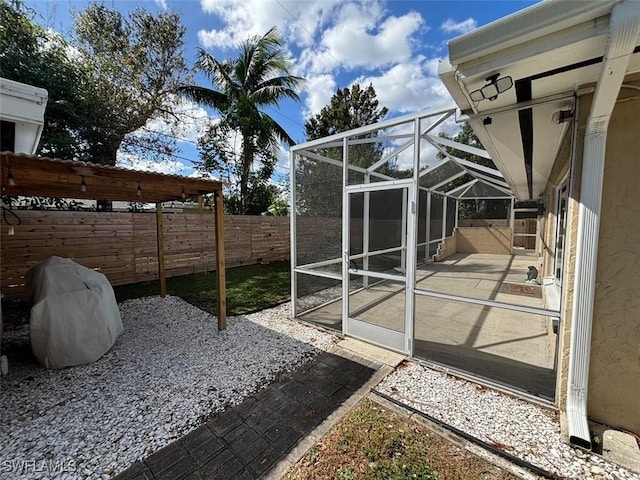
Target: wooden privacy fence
(123,245)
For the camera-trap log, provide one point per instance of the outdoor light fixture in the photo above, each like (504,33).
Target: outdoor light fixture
(184,195)
(492,89)
(139,191)
(83,185)
(10,180)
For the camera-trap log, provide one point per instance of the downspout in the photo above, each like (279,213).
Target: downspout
(624,28)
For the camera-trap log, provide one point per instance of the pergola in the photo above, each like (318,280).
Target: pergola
(26,175)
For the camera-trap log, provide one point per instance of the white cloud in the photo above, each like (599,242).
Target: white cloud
(202,174)
(215,38)
(282,154)
(169,167)
(409,86)
(191,123)
(297,21)
(162,4)
(319,91)
(363,37)
(451,26)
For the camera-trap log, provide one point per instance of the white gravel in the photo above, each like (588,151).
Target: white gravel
(168,371)
(521,428)
(171,369)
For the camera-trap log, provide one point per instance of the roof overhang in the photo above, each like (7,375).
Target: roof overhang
(550,50)
(46,177)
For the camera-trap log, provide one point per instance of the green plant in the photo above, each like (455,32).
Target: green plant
(344,474)
(312,454)
(249,289)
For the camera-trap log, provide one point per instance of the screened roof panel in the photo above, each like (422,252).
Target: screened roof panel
(481,189)
(443,172)
(497,176)
(387,151)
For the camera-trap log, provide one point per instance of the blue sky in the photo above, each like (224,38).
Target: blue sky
(395,45)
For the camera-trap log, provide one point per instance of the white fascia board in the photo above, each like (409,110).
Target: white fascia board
(578,43)
(451,79)
(538,21)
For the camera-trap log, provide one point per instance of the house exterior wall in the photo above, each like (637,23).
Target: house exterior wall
(614,370)
(614,367)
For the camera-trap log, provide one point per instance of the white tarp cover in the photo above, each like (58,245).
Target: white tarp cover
(75,317)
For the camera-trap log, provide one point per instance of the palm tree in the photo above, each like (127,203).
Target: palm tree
(242,87)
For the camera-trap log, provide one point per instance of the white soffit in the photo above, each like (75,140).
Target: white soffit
(503,140)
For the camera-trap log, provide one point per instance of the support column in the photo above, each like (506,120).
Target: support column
(426,252)
(293,251)
(346,219)
(160,245)
(366,230)
(457,212)
(444,217)
(403,229)
(512,223)
(220,261)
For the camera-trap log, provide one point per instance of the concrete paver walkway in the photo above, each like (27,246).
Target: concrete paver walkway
(263,436)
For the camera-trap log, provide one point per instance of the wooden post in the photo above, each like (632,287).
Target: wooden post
(200,201)
(220,262)
(160,242)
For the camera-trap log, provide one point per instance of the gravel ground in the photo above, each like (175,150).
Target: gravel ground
(521,428)
(169,371)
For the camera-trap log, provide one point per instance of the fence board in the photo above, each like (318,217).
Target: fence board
(123,245)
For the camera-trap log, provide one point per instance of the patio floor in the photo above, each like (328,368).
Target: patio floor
(512,348)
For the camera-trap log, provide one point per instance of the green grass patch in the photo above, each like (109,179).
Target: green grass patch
(373,443)
(249,289)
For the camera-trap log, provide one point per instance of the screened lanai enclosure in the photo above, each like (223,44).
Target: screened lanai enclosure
(401,242)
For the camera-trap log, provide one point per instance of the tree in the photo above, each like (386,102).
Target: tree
(119,73)
(467,136)
(31,55)
(136,64)
(260,76)
(319,184)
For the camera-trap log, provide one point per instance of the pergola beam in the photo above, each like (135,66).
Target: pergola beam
(31,176)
